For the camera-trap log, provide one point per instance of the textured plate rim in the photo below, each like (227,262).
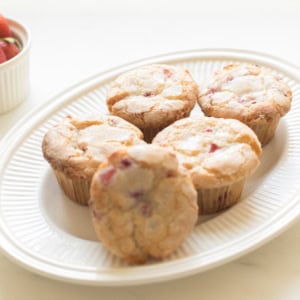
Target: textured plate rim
(280,222)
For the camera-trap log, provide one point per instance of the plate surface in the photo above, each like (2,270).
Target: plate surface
(47,233)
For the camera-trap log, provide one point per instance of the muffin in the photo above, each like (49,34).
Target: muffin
(142,205)
(152,97)
(219,154)
(77,145)
(250,94)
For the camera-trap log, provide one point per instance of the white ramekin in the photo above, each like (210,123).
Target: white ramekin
(14,73)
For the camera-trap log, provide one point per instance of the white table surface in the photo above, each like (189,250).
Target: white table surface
(74,39)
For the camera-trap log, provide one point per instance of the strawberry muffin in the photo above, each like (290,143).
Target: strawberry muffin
(248,93)
(77,145)
(142,205)
(219,154)
(152,97)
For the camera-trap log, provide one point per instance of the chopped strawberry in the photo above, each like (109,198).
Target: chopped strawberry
(148,94)
(145,209)
(4,28)
(213,90)
(11,50)
(167,72)
(107,176)
(138,195)
(213,147)
(170,174)
(125,163)
(229,78)
(9,46)
(2,56)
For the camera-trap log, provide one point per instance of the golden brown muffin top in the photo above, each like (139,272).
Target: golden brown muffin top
(245,92)
(152,95)
(214,151)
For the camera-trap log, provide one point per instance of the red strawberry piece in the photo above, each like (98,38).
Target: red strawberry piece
(125,163)
(4,28)
(167,72)
(11,50)
(171,174)
(145,209)
(213,148)
(148,94)
(229,78)
(138,195)
(213,90)
(2,56)
(107,176)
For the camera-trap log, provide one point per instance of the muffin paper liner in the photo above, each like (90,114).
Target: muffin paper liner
(78,190)
(214,200)
(265,130)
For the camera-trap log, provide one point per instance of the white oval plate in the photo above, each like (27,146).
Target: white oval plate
(48,234)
